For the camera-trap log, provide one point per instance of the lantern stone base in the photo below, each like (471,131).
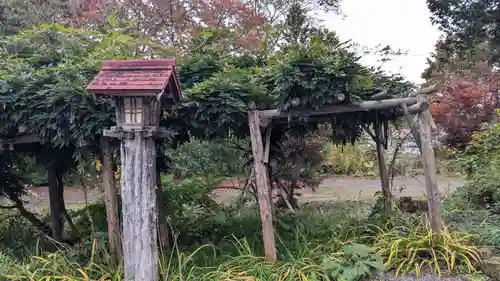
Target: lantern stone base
(138,193)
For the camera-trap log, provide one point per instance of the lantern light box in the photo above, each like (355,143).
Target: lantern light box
(140,88)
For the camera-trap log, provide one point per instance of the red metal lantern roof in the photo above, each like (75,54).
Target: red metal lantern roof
(136,77)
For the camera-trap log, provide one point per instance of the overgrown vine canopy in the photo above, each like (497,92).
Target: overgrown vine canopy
(300,77)
(44,72)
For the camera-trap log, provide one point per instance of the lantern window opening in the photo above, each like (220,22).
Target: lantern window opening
(133,110)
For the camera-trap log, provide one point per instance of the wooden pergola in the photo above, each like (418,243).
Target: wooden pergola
(414,108)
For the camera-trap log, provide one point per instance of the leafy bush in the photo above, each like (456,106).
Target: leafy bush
(222,158)
(408,245)
(481,159)
(482,223)
(18,237)
(355,262)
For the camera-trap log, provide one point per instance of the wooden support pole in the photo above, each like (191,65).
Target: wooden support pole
(267,150)
(111,197)
(138,182)
(163,237)
(262,182)
(382,166)
(429,163)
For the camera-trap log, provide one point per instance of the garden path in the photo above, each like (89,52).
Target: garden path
(335,188)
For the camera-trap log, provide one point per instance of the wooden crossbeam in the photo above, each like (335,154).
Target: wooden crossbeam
(20,140)
(265,115)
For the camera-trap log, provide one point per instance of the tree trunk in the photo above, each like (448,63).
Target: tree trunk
(263,188)
(56,209)
(163,238)
(138,182)
(111,197)
(64,212)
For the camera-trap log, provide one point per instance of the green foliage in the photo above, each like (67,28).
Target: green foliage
(210,55)
(315,74)
(18,239)
(215,158)
(11,186)
(319,242)
(410,246)
(33,173)
(481,159)
(299,158)
(6,262)
(304,242)
(356,261)
(44,75)
(57,266)
(187,203)
(218,106)
(467,23)
(482,223)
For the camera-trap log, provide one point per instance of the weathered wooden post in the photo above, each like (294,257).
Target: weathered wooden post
(111,197)
(262,182)
(425,125)
(380,138)
(140,88)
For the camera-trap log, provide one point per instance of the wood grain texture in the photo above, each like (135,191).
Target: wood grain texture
(382,167)
(111,197)
(430,171)
(263,188)
(140,250)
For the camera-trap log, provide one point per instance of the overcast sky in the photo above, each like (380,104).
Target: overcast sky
(402,24)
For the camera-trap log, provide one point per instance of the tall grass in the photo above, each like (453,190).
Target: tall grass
(409,245)
(333,244)
(243,264)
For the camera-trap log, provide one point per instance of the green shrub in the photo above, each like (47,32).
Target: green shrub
(482,223)
(354,262)
(19,238)
(481,161)
(222,158)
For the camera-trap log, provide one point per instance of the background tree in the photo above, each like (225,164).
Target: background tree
(469,94)
(468,23)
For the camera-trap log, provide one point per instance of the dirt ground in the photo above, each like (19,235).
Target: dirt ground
(332,189)
(348,188)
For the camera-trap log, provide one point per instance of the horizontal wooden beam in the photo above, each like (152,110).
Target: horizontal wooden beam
(20,140)
(265,115)
(381,95)
(335,109)
(425,91)
(413,109)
